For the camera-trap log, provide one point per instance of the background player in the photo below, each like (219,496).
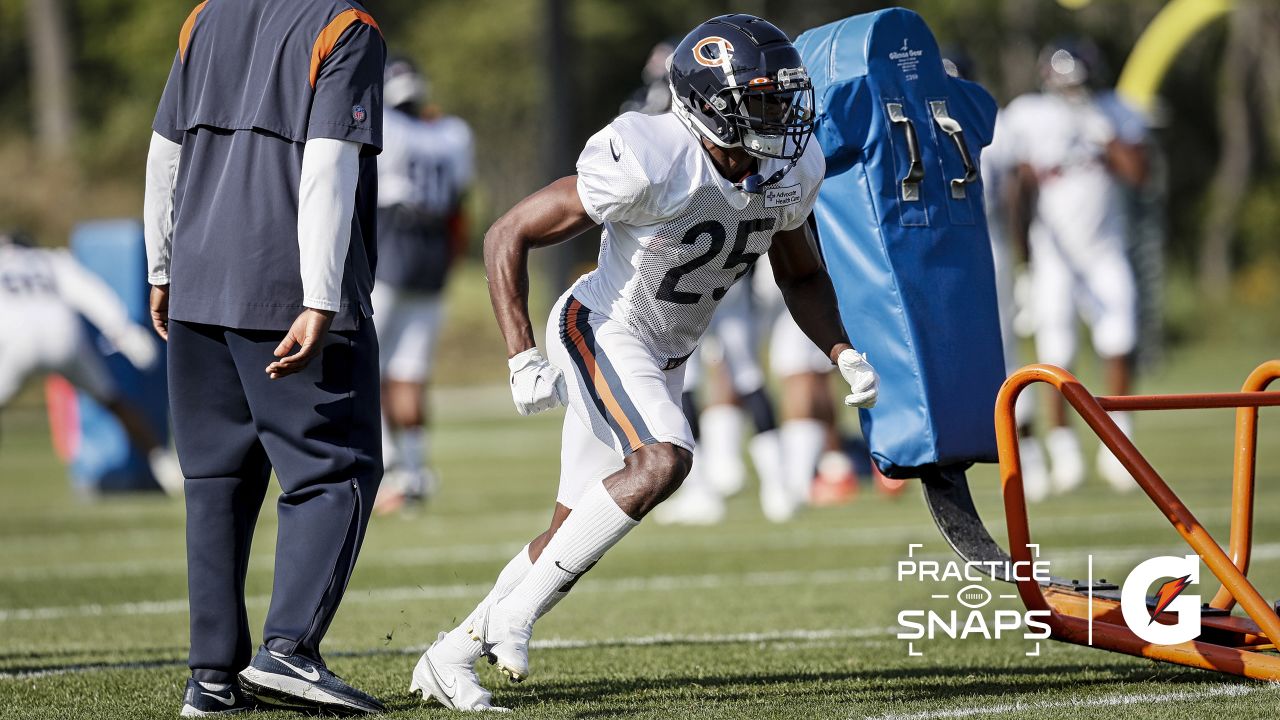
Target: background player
(688,201)
(1071,155)
(43,295)
(423,174)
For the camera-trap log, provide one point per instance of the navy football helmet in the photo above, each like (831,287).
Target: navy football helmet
(739,82)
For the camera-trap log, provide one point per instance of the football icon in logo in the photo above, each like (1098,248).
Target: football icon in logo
(973,596)
(358,113)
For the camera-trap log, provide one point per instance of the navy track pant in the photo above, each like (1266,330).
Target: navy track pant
(319,430)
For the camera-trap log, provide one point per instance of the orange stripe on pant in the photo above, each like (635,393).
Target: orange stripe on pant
(597,377)
(328,38)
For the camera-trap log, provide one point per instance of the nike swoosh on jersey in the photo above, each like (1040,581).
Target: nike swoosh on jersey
(229,700)
(617,156)
(311,673)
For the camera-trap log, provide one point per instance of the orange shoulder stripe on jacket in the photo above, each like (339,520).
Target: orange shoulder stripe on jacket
(184,37)
(332,32)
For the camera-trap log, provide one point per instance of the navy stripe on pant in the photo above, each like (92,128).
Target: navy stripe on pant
(320,431)
(617,408)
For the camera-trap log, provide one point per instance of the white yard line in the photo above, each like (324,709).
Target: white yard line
(659,583)
(1213,691)
(712,542)
(791,636)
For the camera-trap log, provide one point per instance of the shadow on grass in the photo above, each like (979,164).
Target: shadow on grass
(899,685)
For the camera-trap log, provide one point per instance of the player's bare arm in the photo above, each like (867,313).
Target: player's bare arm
(1128,162)
(807,289)
(550,216)
(811,300)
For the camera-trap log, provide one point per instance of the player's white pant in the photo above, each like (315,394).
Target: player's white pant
(621,397)
(55,343)
(733,330)
(1100,286)
(791,352)
(408,325)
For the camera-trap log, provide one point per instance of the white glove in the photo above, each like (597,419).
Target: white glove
(864,383)
(136,345)
(536,384)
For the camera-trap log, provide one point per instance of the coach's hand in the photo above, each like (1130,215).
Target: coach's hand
(307,335)
(536,384)
(864,383)
(160,310)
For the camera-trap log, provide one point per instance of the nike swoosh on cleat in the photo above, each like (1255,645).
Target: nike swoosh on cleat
(447,689)
(310,673)
(229,700)
(617,156)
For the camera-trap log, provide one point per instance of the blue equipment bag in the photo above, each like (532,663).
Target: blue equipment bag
(104,459)
(904,235)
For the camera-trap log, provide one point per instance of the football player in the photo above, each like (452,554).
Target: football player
(688,201)
(1073,154)
(423,173)
(43,295)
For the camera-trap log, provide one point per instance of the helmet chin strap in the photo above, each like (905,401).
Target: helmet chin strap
(757,183)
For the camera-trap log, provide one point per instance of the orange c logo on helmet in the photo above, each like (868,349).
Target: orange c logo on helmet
(720,59)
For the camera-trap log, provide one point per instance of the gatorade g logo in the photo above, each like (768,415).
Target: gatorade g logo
(713,52)
(1169,598)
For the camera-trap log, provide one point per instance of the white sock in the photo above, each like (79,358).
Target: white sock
(389,456)
(721,446)
(411,449)
(462,647)
(803,440)
(594,526)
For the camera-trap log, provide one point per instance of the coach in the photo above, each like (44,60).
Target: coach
(260,205)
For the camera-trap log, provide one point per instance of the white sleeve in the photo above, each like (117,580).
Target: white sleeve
(464,171)
(157,206)
(326,204)
(612,184)
(809,171)
(88,295)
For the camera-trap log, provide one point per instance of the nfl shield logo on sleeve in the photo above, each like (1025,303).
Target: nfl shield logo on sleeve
(358,113)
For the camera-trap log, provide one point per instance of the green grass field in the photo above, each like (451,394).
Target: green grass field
(744,620)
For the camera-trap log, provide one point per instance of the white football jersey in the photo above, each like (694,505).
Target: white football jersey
(42,293)
(676,234)
(425,164)
(1064,141)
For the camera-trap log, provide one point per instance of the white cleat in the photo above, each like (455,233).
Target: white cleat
(505,640)
(1035,476)
(454,685)
(691,506)
(1111,470)
(1065,459)
(777,503)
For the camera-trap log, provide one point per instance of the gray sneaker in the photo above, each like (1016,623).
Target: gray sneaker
(296,681)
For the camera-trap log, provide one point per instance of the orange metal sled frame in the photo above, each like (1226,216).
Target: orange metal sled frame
(1228,643)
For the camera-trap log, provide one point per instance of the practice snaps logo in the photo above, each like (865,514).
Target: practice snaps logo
(1154,601)
(966,613)
(1141,616)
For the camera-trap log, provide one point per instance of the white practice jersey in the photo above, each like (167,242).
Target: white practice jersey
(425,164)
(1064,141)
(42,293)
(676,234)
